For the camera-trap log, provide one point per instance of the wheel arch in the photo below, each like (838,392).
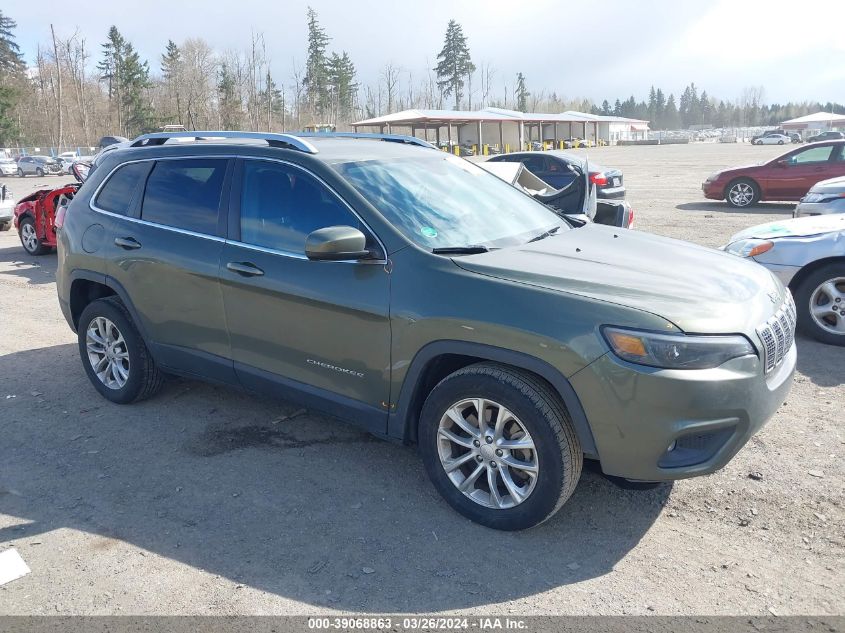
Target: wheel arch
(87,286)
(438,359)
(812,267)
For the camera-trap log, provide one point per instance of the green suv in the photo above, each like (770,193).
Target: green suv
(412,293)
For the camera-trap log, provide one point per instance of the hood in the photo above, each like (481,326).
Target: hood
(698,289)
(798,227)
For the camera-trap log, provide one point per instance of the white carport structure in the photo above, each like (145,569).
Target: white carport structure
(511,130)
(818,122)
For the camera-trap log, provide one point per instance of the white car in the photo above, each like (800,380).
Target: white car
(67,159)
(8,167)
(773,139)
(7,208)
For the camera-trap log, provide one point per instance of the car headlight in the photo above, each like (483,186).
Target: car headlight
(675,351)
(712,177)
(812,197)
(749,247)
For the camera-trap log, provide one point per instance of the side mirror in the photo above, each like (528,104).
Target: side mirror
(336,243)
(80,171)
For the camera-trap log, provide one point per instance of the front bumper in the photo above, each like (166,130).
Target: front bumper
(636,413)
(6,215)
(713,189)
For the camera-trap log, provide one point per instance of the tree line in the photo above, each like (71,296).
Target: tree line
(73,94)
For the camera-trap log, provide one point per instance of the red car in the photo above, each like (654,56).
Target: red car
(35,217)
(787,177)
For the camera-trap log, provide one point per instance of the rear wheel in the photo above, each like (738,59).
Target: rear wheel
(742,193)
(114,354)
(39,172)
(20,172)
(499,446)
(820,301)
(29,237)
(780,142)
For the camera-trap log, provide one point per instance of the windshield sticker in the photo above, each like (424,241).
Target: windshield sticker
(428,231)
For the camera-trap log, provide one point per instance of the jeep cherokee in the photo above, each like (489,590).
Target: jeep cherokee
(412,293)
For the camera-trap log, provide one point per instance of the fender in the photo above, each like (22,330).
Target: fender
(118,289)
(402,422)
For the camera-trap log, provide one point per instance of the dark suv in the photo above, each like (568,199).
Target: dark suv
(409,291)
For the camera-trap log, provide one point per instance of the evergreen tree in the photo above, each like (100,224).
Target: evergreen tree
(617,108)
(273,103)
(12,69)
(454,63)
(128,79)
(316,80)
(229,105)
(342,79)
(672,120)
(605,108)
(522,93)
(659,109)
(171,71)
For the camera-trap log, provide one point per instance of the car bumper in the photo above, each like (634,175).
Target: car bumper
(804,209)
(637,413)
(714,190)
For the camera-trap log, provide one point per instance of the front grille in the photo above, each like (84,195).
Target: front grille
(777,334)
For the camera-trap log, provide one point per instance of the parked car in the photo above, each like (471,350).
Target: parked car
(807,255)
(111,140)
(826,136)
(777,131)
(795,137)
(35,217)
(7,208)
(772,139)
(787,177)
(575,143)
(555,168)
(8,167)
(38,166)
(576,201)
(825,197)
(67,159)
(427,301)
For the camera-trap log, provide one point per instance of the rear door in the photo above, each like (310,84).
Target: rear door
(793,176)
(164,251)
(314,330)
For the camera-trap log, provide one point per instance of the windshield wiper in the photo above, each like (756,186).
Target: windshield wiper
(460,250)
(543,235)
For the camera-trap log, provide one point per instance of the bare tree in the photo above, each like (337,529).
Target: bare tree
(390,79)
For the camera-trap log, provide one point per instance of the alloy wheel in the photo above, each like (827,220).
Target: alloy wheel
(107,352)
(487,453)
(827,306)
(28,237)
(741,194)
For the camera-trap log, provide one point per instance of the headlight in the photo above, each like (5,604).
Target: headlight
(675,351)
(750,247)
(712,177)
(812,197)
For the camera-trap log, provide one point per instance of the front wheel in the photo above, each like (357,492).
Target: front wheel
(780,142)
(29,237)
(20,172)
(742,193)
(114,354)
(820,301)
(39,172)
(499,446)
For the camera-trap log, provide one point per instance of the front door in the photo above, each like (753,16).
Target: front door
(309,330)
(800,170)
(164,249)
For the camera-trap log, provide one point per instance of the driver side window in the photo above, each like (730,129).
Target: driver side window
(281,205)
(811,155)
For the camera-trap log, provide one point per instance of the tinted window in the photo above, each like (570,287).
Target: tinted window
(185,194)
(281,205)
(812,155)
(534,164)
(116,194)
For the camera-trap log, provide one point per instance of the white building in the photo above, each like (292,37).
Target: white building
(815,123)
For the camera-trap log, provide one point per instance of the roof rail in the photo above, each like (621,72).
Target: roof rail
(288,141)
(393,138)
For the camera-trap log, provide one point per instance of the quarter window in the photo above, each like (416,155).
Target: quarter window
(281,205)
(185,194)
(116,194)
(812,155)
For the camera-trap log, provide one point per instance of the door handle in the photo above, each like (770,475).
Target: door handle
(245,268)
(129,243)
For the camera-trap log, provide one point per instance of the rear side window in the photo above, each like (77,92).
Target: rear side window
(185,194)
(116,194)
(812,155)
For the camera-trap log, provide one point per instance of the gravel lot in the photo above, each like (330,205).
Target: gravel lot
(207,501)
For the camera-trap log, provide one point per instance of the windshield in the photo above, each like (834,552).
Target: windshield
(442,201)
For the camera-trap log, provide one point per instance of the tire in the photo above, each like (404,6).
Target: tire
(5,226)
(20,173)
(29,237)
(142,377)
(39,172)
(780,142)
(536,415)
(823,288)
(742,193)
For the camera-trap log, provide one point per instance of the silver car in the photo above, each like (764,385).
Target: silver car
(8,167)
(808,255)
(7,208)
(827,196)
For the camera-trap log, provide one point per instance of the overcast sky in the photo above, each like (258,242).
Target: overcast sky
(577,48)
